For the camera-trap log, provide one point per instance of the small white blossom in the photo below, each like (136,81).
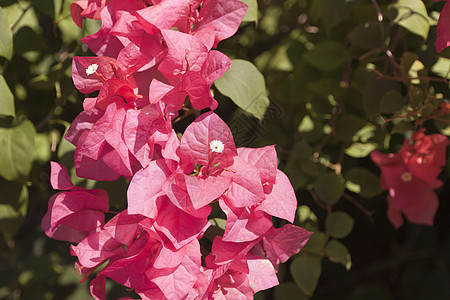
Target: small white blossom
(216,146)
(406,177)
(91,69)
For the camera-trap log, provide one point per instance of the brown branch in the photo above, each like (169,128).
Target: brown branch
(404,78)
(316,199)
(358,205)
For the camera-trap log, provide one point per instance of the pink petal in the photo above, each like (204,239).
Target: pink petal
(443,31)
(281,202)
(59,177)
(185,53)
(224,15)
(88,83)
(146,187)
(282,243)
(262,275)
(195,143)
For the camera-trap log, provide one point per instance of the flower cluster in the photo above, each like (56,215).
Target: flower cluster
(199,219)
(410,176)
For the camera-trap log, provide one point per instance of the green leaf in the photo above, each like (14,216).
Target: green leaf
(306,125)
(402,127)
(289,291)
(17,150)
(13,206)
(363,182)
(444,127)
(6,37)
(359,150)
(338,253)
(442,67)
(306,218)
(366,35)
(45,6)
(339,224)
(348,126)
(329,188)
(392,102)
(416,96)
(374,90)
(43,151)
(246,87)
(315,242)
(412,15)
(326,56)
(7,99)
(335,11)
(251,15)
(306,271)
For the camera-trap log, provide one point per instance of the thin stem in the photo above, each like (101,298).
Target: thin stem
(360,207)
(14,26)
(403,78)
(58,102)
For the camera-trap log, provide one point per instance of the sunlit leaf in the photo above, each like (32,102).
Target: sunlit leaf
(251,15)
(17,150)
(412,15)
(6,42)
(245,85)
(359,150)
(442,67)
(6,99)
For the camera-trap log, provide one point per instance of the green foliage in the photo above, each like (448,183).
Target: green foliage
(7,102)
(338,253)
(329,188)
(341,84)
(245,85)
(6,43)
(305,271)
(17,150)
(339,224)
(363,182)
(412,15)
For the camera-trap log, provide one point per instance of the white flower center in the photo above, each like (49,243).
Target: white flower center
(406,177)
(91,69)
(216,146)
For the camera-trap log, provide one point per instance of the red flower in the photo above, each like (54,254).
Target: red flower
(410,176)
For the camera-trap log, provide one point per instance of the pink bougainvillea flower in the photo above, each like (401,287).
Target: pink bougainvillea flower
(75,213)
(282,243)
(104,43)
(208,142)
(410,177)
(224,16)
(443,28)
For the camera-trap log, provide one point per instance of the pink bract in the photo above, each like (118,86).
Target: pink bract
(410,176)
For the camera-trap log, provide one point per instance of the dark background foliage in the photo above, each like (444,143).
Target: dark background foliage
(338,84)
